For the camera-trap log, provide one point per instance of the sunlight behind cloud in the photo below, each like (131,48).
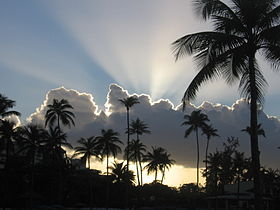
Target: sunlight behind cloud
(132,44)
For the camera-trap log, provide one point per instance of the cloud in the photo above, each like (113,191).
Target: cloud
(164,121)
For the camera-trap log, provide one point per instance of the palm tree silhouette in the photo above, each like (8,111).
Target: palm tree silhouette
(137,152)
(209,131)
(8,133)
(166,163)
(54,140)
(195,121)
(139,128)
(58,111)
(154,160)
(88,148)
(239,165)
(5,105)
(108,143)
(241,29)
(128,103)
(31,143)
(120,174)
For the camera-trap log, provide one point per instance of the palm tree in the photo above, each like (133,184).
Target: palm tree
(31,137)
(5,105)
(137,152)
(120,174)
(58,111)
(195,121)
(88,148)
(260,130)
(128,103)
(108,143)
(154,160)
(209,131)
(241,29)
(8,133)
(139,128)
(54,141)
(239,165)
(166,163)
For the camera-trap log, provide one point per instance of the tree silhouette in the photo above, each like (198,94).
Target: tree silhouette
(155,161)
(5,105)
(195,121)
(88,148)
(120,174)
(109,146)
(209,131)
(31,143)
(128,103)
(137,152)
(8,133)
(139,128)
(58,111)
(230,51)
(166,163)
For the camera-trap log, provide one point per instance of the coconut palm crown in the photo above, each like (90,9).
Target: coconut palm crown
(59,111)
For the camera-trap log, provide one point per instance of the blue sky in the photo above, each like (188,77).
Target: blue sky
(88,44)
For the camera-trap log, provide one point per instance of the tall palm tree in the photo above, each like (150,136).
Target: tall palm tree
(166,163)
(139,128)
(5,105)
(32,138)
(242,28)
(239,165)
(195,121)
(209,131)
(137,152)
(128,103)
(59,111)
(154,160)
(108,143)
(88,148)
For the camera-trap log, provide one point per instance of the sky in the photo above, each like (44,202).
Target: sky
(87,45)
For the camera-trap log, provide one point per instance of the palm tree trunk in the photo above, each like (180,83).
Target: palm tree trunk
(155,175)
(107,180)
(163,175)
(128,136)
(206,160)
(197,163)
(90,184)
(141,169)
(137,170)
(254,135)
(32,179)
(88,162)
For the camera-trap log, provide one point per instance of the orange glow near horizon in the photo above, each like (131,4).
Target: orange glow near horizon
(176,176)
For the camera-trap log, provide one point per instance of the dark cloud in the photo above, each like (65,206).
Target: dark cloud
(164,121)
